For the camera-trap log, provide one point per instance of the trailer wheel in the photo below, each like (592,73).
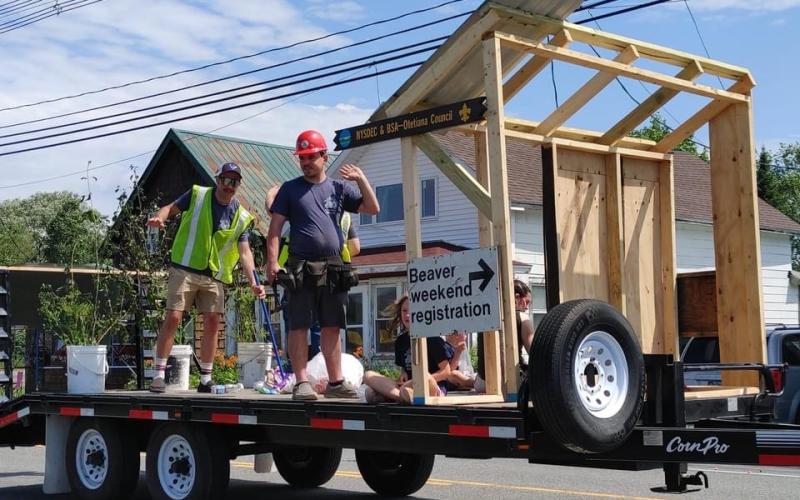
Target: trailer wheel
(394,474)
(101,461)
(586,376)
(306,466)
(187,462)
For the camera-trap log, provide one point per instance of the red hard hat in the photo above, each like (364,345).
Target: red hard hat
(310,142)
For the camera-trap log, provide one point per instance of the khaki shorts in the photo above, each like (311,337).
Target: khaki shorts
(185,288)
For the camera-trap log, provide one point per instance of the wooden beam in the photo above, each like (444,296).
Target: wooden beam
(709,111)
(740,313)
(644,110)
(456,172)
(419,347)
(587,146)
(495,133)
(615,231)
(532,68)
(583,95)
(439,67)
(615,68)
(575,134)
(606,40)
(492,367)
(466,399)
(669,290)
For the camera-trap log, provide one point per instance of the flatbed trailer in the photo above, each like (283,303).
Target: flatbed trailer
(395,444)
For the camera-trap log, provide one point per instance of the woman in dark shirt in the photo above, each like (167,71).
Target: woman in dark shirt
(380,387)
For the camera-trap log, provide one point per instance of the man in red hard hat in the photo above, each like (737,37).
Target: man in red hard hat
(316,278)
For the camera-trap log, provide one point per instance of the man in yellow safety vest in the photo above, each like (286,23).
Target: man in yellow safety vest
(211,239)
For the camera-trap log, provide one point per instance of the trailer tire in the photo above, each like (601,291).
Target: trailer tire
(101,461)
(394,474)
(307,466)
(586,376)
(187,462)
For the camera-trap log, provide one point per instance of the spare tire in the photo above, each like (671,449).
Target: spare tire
(586,376)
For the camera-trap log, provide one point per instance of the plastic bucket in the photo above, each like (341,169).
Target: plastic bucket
(86,369)
(180,359)
(252,362)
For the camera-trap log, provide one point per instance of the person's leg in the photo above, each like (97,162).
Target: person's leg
(180,296)
(210,303)
(331,307)
(298,354)
(332,350)
(211,322)
(460,380)
(384,386)
(166,335)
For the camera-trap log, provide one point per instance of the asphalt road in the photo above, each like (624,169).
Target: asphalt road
(22,475)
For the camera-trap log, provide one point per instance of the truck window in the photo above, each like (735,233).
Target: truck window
(702,350)
(791,350)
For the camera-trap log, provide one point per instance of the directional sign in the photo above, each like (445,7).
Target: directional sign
(419,122)
(457,291)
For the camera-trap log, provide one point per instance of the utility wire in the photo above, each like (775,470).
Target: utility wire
(586,6)
(215,101)
(212,112)
(83,3)
(700,36)
(20,8)
(239,58)
(622,11)
(244,73)
(56,7)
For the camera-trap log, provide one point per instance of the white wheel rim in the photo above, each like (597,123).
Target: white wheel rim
(91,459)
(601,374)
(176,467)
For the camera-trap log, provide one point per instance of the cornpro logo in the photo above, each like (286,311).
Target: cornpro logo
(344,138)
(710,445)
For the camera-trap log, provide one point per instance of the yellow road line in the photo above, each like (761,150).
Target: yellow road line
(452,482)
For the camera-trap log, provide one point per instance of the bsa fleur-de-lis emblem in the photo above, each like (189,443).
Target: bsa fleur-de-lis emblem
(464,112)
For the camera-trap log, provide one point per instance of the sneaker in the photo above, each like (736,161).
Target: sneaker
(345,390)
(303,391)
(158,385)
(205,388)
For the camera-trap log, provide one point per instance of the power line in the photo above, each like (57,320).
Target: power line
(244,73)
(206,113)
(215,101)
(50,8)
(239,58)
(596,4)
(622,11)
(700,36)
(19,8)
(80,4)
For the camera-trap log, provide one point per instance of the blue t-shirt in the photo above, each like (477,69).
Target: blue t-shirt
(314,212)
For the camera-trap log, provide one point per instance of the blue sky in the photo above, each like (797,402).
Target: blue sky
(118,41)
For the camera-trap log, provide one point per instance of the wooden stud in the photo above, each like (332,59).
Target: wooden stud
(583,95)
(740,316)
(615,231)
(709,111)
(649,106)
(611,41)
(491,340)
(669,291)
(466,399)
(456,172)
(618,69)
(533,67)
(419,347)
(574,134)
(495,120)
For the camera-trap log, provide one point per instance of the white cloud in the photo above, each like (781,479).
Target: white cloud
(753,5)
(346,10)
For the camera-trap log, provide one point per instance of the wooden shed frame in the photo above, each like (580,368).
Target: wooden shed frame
(609,201)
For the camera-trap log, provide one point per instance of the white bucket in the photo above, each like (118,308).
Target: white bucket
(86,369)
(252,362)
(179,371)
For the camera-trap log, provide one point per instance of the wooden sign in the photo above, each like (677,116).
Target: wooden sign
(418,122)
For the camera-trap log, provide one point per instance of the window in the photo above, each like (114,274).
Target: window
(538,304)
(354,333)
(428,198)
(791,350)
(390,198)
(385,295)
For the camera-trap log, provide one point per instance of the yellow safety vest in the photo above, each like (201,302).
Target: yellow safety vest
(197,248)
(283,256)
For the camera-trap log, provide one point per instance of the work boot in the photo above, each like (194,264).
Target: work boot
(303,392)
(205,388)
(158,385)
(345,390)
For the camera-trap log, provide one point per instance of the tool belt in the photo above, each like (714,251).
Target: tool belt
(310,274)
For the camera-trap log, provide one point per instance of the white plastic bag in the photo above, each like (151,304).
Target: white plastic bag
(352,370)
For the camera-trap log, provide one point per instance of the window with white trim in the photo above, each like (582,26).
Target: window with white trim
(390,198)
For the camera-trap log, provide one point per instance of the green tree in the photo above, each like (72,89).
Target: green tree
(57,227)
(786,193)
(657,129)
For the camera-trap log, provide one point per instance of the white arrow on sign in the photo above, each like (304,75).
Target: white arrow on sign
(457,291)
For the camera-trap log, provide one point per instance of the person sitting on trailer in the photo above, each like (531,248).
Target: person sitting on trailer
(382,388)
(211,239)
(315,276)
(350,249)
(525,330)
(458,379)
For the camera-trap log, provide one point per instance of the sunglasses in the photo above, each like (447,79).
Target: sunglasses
(230,181)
